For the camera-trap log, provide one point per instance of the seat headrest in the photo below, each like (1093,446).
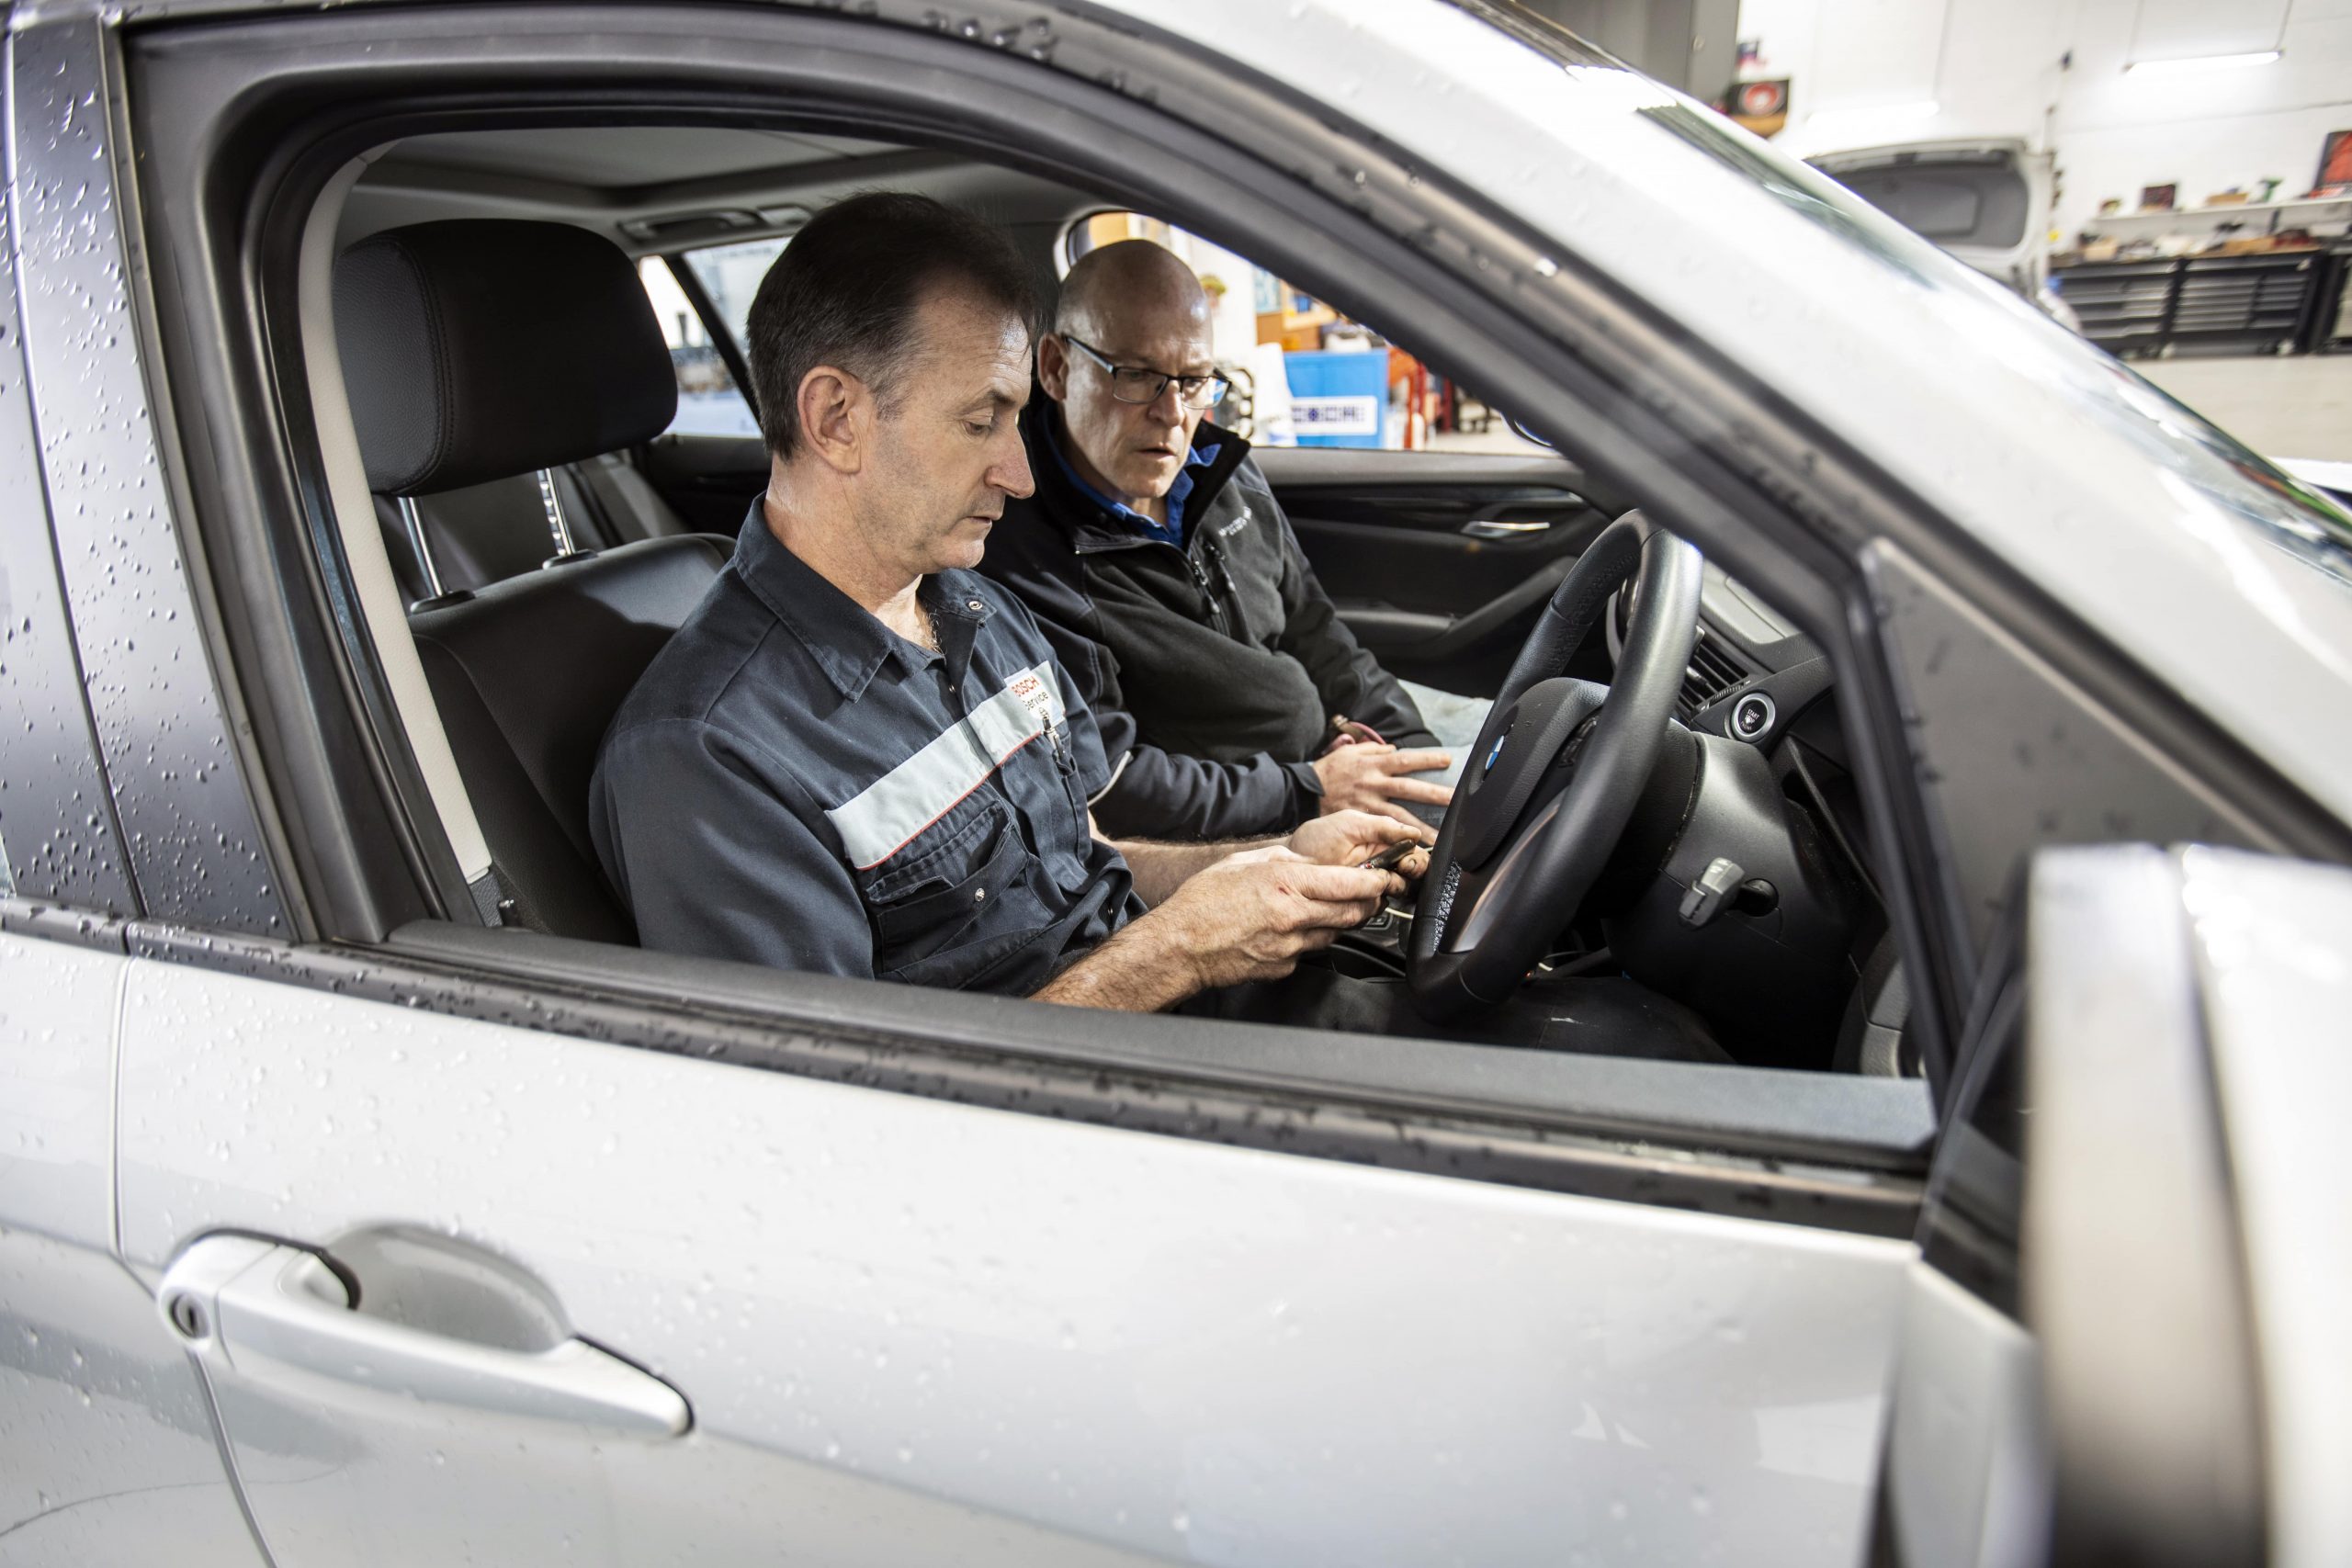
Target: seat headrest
(479,347)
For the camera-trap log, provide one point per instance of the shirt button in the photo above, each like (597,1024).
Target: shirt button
(974,604)
(979,894)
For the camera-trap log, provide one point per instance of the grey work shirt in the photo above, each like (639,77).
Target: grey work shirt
(793,784)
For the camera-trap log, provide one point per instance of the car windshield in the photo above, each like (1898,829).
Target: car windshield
(2212,474)
(2201,458)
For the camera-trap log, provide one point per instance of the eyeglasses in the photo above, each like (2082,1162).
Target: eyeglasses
(1141,384)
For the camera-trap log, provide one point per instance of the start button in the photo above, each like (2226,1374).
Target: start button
(1752,716)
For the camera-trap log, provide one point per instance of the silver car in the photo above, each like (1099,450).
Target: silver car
(1986,201)
(369,1197)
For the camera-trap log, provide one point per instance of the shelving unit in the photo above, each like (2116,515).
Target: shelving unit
(2188,220)
(2330,329)
(2122,305)
(2258,304)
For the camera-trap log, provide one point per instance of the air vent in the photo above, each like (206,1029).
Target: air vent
(1713,673)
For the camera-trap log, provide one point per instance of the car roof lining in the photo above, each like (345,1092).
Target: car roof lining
(610,178)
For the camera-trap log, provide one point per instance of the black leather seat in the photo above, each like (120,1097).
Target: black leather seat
(487,533)
(527,675)
(477,350)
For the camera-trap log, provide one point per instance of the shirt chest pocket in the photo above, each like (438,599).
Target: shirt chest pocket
(955,898)
(1053,798)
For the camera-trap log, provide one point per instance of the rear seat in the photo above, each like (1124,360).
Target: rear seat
(476,352)
(483,534)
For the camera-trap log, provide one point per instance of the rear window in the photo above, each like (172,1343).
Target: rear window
(1985,205)
(709,403)
(731,275)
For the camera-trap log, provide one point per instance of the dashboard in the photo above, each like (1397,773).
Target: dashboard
(1752,676)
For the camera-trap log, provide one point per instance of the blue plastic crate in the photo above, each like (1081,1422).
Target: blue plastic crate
(1339,399)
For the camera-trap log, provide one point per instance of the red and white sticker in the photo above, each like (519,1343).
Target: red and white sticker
(1036,693)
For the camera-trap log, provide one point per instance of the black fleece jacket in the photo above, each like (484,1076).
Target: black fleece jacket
(1213,670)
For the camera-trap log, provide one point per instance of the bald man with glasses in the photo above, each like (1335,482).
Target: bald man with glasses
(1232,699)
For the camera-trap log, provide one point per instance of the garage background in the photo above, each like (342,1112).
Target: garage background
(2215,98)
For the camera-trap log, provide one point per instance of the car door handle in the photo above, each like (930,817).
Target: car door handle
(1495,528)
(267,1310)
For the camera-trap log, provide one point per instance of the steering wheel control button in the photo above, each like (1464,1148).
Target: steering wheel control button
(1706,897)
(1753,716)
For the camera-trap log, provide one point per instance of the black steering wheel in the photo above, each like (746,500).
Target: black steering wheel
(1556,773)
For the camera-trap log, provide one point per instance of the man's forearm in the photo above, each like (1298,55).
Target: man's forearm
(1160,869)
(1245,917)
(1171,798)
(1133,972)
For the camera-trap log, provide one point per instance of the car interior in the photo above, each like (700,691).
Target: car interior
(547,502)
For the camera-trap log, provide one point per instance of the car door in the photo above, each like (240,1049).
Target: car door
(708,478)
(2112,1345)
(107,1450)
(1965,1479)
(500,1246)
(711,462)
(1439,561)
(615,1303)
(2274,982)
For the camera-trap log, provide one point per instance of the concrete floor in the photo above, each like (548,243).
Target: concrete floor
(2298,407)
(1498,437)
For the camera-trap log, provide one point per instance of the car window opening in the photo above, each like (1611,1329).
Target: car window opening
(1739,917)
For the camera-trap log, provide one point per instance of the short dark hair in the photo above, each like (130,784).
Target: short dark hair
(845,292)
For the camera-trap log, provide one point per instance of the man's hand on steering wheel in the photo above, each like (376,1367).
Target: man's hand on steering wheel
(1374,776)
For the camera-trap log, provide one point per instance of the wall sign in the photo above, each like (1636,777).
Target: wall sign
(1335,416)
(1761,107)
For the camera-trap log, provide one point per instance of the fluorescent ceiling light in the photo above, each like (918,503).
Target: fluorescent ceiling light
(1876,113)
(2199,63)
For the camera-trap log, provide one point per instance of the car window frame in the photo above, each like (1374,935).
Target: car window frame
(61,842)
(1786,507)
(170,742)
(1063,260)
